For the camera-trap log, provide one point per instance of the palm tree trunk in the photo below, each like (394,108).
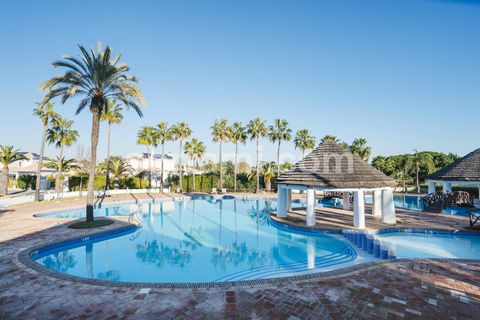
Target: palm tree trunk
(107,178)
(180,166)
(193,174)
(93,161)
(59,188)
(235,169)
(150,168)
(161,177)
(220,181)
(4,182)
(278,158)
(258,172)
(418,181)
(40,162)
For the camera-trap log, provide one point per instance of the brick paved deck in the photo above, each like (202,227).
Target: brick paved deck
(392,290)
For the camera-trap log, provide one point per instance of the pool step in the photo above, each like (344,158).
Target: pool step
(367,242)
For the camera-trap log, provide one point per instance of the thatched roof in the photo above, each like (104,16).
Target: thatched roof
(463,169)
(332,166)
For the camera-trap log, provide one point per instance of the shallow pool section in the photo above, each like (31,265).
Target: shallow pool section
(432,244)
(202,240)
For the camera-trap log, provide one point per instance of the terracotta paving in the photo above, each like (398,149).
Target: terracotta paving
(423,289)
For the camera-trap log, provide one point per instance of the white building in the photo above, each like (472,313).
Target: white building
(29,166)
(141,162)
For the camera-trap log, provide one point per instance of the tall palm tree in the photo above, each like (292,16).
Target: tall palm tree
(238,135)
(148,137)
(61,165)
(195,150)
(95,77)
(416,161)
(304,140)
(7,156)
(180,132)
(256,129)
(111,114)
(279,132)
(361,149)
(62,135)
(48,116)
(164,134)
(221,132)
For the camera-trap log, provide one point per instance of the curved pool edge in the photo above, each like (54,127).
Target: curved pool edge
(24,257)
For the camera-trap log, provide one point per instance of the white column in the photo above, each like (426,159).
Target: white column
(359,210)
(288,200)
(447,186)
(311,253)
(281,195)
(310,207)
(346,201)
(431,186)
(388,207)
(377,203)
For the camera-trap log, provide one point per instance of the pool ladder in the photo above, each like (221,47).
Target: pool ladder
(370,244)
(133,218)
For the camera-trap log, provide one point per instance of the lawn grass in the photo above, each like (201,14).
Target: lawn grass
(88,225)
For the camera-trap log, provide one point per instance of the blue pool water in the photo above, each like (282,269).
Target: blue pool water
(432,245)
(199,241)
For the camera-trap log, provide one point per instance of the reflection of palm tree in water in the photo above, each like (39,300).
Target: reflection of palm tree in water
(89,260)
(161,255)
(261,216)
(60,262)
(109,275)
(234,254)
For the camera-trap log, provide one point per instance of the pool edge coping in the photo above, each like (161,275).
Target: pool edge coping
(24,257)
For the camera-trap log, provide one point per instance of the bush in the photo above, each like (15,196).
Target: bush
(27,182)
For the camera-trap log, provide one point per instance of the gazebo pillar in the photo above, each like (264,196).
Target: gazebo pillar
(288,200)
(388,207)
(310,207)
(377,203)
(431,186)
(359,210)
(447,187)
(346,201)
(281,202)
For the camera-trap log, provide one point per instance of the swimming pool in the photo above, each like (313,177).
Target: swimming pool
(199,241)
(432,244)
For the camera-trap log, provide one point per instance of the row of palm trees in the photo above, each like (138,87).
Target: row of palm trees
(221,133)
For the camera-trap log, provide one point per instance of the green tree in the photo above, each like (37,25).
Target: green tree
(384,164)
(330,138)
(7,156)
(221,132)
(61,134)
(416,161)
(268,172)
(94,77)
(304,141)
(361,149)
(112,114)
(180,132)
(61,165)
(48,116)
(239,135)
(148,136)
(164,135)
(195,150)
(120,168)
(279,132)
(256,129)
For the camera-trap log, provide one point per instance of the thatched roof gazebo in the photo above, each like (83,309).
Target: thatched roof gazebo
(330,167)
(464,171)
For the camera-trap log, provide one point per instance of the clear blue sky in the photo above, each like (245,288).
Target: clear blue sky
(403,74)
